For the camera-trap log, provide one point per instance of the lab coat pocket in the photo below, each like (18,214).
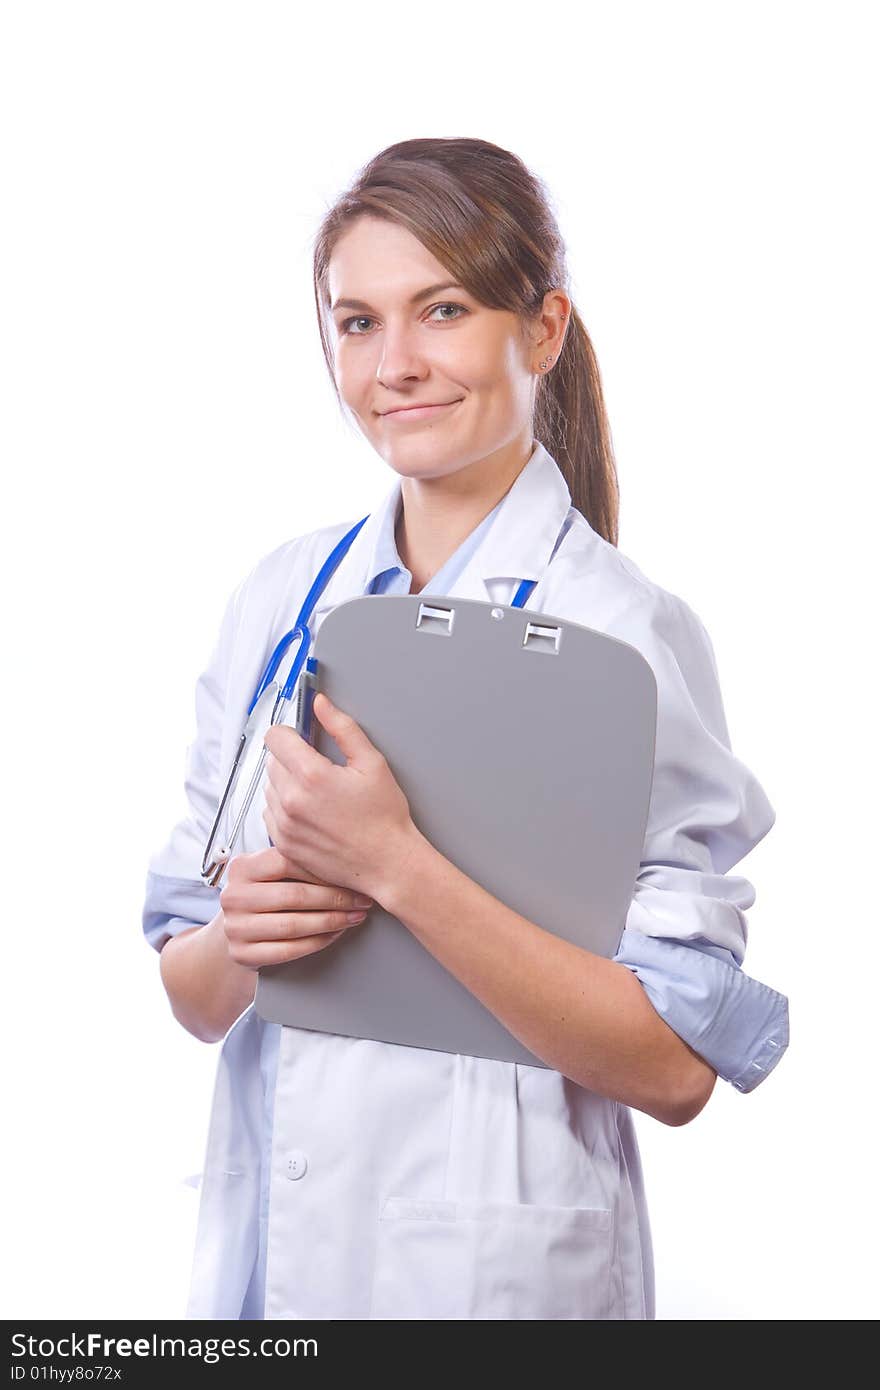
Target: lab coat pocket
(486,1260)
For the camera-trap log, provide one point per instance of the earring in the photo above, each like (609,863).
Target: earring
(546,363)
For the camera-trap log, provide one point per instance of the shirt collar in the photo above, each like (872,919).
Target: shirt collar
(518,545)
(519,542)
(385,555)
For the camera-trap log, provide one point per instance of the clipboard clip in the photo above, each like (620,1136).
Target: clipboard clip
(432,619)
(541,637)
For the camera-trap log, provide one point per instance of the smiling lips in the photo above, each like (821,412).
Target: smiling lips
(417,412)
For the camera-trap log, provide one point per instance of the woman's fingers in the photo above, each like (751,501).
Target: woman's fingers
(285,926)
(271,917)
(278,897)
(257,954)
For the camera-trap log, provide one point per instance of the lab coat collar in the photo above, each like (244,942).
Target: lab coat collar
(518,545)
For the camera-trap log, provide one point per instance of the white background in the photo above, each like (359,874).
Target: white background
(168,420)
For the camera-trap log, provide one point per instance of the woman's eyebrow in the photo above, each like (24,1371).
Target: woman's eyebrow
(414,299)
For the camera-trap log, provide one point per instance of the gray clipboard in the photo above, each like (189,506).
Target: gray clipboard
(525,747)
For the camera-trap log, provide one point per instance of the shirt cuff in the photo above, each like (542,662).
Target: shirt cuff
(737,1024)
(173,904)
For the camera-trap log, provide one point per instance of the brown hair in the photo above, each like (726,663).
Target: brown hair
(489,221)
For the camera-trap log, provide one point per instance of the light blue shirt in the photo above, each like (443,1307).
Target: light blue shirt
(738,1024)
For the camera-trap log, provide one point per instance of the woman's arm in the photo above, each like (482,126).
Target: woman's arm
(272,911)
(584,1015)
(206,987)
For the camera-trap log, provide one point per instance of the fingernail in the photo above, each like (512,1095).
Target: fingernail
(355,916)
(361,900)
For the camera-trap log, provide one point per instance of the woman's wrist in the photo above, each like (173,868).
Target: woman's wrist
(401,874)
(207,989)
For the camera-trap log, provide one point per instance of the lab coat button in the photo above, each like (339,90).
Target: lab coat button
(296,1164)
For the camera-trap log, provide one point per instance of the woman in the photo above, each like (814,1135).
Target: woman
(349,1178)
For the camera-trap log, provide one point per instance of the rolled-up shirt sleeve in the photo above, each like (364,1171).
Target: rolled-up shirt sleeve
(686,930)
(175,897)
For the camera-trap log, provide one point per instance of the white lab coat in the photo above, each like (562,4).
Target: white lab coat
(407,1183)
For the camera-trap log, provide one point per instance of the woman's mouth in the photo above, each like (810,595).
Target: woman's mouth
(418,412)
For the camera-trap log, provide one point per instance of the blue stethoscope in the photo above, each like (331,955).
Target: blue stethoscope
(273,696)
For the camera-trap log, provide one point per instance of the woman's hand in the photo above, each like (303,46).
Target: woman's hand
(275,911)
(347,823)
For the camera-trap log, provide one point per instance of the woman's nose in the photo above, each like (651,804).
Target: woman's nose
(399,359)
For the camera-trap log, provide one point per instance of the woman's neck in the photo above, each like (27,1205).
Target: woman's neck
(438,514)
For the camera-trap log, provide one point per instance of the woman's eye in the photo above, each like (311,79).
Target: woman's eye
(449,306)
(362,318)
(348,325)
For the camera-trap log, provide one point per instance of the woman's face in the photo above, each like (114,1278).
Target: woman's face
(405,337)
